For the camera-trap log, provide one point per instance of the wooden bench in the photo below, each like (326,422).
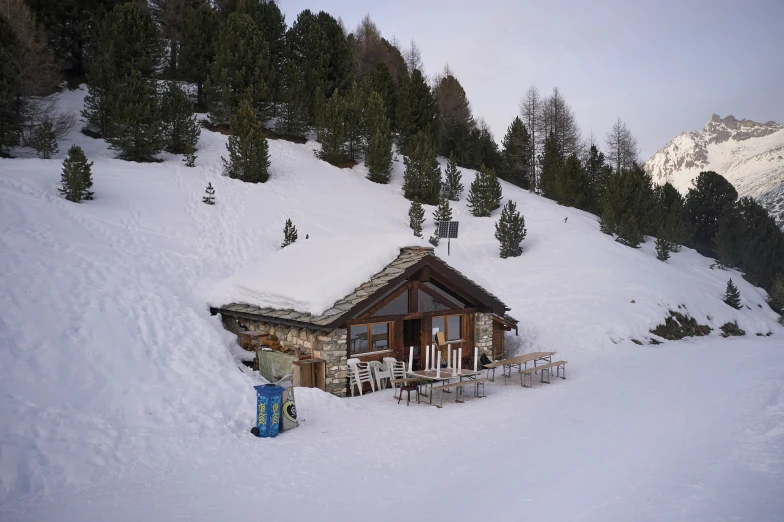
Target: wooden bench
(545,369)
(459,393)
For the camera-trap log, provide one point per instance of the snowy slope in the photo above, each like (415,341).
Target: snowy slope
(749,154)
(120,396)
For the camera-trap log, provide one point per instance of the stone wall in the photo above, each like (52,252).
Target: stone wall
(483,333)
(332,348)
(329,346)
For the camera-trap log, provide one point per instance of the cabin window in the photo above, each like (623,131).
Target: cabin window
(451,325)
(375,337)
(446,294)
(428,303)
(397,306)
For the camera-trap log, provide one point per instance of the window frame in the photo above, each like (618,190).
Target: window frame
(369,329)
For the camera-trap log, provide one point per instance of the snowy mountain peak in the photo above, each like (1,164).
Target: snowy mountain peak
(749,154)
(719,130)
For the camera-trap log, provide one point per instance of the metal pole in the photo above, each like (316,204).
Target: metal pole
(449,246)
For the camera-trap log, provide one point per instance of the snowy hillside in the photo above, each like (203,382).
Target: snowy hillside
(121,399)
(749,154)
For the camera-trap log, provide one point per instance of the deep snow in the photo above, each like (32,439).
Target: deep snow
(120,397)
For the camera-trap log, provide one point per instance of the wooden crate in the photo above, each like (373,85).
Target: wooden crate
(310,373)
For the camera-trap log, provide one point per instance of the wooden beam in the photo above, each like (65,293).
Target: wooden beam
(440,297)
(388,299)
(413,297)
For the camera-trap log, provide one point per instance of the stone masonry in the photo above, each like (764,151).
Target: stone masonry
(483,333)
(329,346)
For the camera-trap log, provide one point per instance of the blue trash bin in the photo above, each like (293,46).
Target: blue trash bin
(268,409)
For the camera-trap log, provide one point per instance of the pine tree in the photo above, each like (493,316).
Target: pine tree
(777,294)
(238,70)
(454,115)
(10,120)
(732,295)
(597,172)
(672,224)
(571,184)
(289,234)
(190,155)
(422,177)
(510,231)
(76,177)
(417,111)
(516,155)
(272,25)
(452,185)
(552,161)
(210,197)
(180,126)
(197,49)
(136,129)
(379,154)
(494,193)
(127,41)
(663,248)
(354,122)
(442,213)
(416,217)
(292,115)
(248,150)
(629,207)
(332,130)
(705,203)
(45,140)
(484,195)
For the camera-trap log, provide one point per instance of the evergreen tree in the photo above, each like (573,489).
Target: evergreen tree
(663,248)
(484,149)
(272,25)
(318,45)
(442,213)
(777,294)
(354,122)
(180,126)
(516,155)
(417,111)
(210,197)
(452,184)
(76,179)
(571,183)
(628,208)
(454,117)
(45,140)
(749,239)
(705,202)
(672,224)
(190,154)
(127,41)
(136,129)
(484,194)
(416,217)
(380,80)
(197,49)
(248,150)
(732,295)
(238,70)
(289,234)
(494,193)
(510,231)
(552,160)
(422,177)
(597,172)
(379,154)
(10,121)
(332,131)
(292,91)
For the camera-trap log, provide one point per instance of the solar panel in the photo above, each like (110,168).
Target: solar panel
(448,229)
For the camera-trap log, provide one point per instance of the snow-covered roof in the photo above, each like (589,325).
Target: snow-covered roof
(318,281)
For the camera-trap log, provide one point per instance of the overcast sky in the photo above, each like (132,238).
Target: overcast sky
(663,66)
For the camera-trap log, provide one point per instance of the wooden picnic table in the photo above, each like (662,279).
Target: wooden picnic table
(447,374)
(521,361)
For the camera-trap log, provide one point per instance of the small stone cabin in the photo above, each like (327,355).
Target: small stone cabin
(403,305)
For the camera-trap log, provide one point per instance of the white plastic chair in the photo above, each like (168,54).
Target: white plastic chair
(359,373)
(398,370)
(382,373)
